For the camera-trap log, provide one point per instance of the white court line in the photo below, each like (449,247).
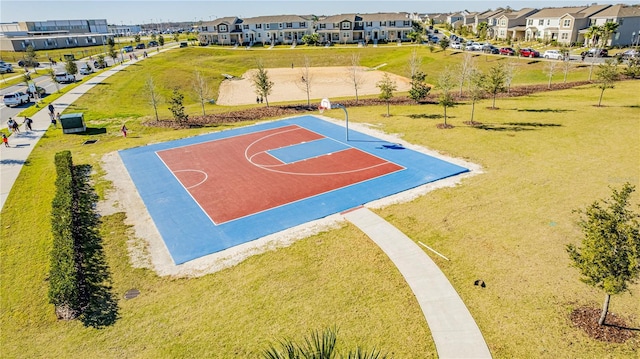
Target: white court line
(206,176)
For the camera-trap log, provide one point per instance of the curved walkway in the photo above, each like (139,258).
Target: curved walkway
(454,330)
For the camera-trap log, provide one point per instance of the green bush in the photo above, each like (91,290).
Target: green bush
(63,279)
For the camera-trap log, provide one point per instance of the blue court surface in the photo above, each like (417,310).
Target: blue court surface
(189,233)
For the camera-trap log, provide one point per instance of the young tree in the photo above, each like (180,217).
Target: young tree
(154,98)
(176,103)
(311,39)
(607,29)
(494,82)
(113,53)
(31,58)
(607,74)
(176,36)
(550,68)
(306,79)
(262,83)
(355,76)
(386,86)
(510,71)
(419,88)
(444,43)
(201,89)
(610,255)
(566,67)
(482,30)
(71,67)
(476,90)
(101,61)
(466,67)
(136,38)
(446,82)
(161,40)
(52,74)
(415,62)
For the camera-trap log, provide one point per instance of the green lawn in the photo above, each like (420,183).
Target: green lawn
(543,156)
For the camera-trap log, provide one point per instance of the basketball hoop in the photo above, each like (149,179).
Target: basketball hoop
(325,104)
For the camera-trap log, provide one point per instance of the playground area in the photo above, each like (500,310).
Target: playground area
(290,84)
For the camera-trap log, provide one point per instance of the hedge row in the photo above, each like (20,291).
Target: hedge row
(64,290)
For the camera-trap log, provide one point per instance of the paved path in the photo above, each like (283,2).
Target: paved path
(454,331)
(12,159)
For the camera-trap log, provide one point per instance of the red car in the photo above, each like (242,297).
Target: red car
(529,52)
(507,51)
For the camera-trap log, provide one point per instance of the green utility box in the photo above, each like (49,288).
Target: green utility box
(73,123)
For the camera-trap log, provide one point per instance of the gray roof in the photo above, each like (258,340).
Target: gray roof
(275,19)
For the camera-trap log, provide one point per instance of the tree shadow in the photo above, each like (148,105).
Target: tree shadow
(424,115)
(534,124)
(100,306)
(492,127)
(543,110)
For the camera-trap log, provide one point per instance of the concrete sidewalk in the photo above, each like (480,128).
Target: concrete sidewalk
(13,159)
(454,331)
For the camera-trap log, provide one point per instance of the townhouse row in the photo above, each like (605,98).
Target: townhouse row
(565,25)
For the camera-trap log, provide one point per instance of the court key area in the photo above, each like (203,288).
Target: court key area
(212,192)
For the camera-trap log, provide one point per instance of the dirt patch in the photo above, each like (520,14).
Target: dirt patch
(614,331)
(290,84)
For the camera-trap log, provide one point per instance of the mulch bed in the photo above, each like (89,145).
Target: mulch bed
(258,113)
(615,329)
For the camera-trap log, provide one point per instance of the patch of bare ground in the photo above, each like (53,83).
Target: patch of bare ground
(615,329)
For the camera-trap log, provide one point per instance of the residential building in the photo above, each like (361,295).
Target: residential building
(628,20)
(560,24)
(285,29)
(512,25)
(53,34)
(354,28)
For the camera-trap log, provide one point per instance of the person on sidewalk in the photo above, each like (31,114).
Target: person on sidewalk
(27,124)
(51,108)
(124,131)
(5,140)
(10,125)
(54,122)
(16,127)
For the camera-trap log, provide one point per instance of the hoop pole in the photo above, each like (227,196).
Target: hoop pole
(346,114)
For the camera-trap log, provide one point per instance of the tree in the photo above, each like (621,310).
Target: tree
(355,73)
(444,43)
(161,40)
(446,82)
(262,83)
(566,67)
(465,68)
(177,106)
(476,90)
(415,62)
(317,345)
(154,98)
(101,62)
(550,68)
(201,88)
(386,86)
(495,81)
(30,57)
(111,41)
(509,73)
(419,88)
(113,53)
(306,79)
(136,38)
(607,74)
(482,29)
(71,67)
(607,29)
(176,36)
(609,258)
(52,74)
(311,39)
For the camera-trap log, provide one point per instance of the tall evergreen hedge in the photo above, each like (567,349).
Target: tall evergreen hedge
(63,276)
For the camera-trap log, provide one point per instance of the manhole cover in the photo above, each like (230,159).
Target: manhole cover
(131,293)
(89,142)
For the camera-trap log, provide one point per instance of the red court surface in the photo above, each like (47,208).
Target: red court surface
(235,177)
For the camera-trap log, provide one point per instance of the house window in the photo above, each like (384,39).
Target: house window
(530,22)
(392,23)
(541,22)
(268,26)
(383,23)
(246,27)
(258,26)
(503,22)
(289,25)
(564,36)
(620,22)
(566,23)
(548,22)
(302,24)
(323,26)
(345,34)
(259,35)
(406,23)
(346,25)
(222,28)
(280,25)
(502,33)
(369,24)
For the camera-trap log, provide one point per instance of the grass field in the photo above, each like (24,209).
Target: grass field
(542,155)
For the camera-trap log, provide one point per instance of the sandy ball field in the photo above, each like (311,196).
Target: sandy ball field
(323,82)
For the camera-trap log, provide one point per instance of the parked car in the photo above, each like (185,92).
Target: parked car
(629,54)
(595,52)
(490,49)
(127,49)
(475,46)
(4,68)
(15,99)
(140,46)
(455,45)
(152,44)
(97,65)
(553,54)
(64,77)
(29,63)
(529,52)
(86,70)
(507,51)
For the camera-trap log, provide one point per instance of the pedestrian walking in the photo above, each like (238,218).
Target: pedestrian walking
(10,125)
(51,108)
(16,127)
(124,131)
(54,122)
(27,124)
(5,140)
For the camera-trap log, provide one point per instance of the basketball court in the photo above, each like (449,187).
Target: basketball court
(212,192)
